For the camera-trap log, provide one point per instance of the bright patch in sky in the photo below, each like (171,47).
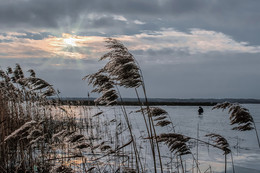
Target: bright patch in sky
(69,40)
(77,47)
(183,40)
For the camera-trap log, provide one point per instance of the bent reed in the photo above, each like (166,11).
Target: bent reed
(39,134)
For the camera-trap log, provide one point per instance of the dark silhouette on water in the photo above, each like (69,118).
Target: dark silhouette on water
(200,110)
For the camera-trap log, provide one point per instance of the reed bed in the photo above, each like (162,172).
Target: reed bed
(39,134)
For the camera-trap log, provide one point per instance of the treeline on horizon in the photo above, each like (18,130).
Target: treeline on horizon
(39,134)
(157,101)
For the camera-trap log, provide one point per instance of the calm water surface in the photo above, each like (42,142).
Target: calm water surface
(186,120)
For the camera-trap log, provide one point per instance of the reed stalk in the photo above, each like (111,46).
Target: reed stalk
(149,131)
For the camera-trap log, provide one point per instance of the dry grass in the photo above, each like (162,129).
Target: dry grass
(41,135)
(240,117)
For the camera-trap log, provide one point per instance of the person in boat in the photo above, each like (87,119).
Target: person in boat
(200,110)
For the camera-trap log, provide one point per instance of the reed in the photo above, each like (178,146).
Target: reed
(123,70)
(221,143)
(21,126)
(240,117)
(39,134)
(28,122)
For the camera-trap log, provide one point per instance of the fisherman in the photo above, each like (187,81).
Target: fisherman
(200,110)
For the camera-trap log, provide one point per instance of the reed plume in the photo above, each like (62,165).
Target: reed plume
(120,70)
(17,73)
(123,70)
(103,84)
(175,142)
(221,143)
(32,73)
(157,111)
(23,129)
(121,65)
(158,114)
(239,116)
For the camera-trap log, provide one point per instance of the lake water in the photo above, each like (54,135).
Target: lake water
(186,121)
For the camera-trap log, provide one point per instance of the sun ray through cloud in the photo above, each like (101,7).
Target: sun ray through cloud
(167,52)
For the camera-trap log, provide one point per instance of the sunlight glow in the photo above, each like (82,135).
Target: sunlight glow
(70,41)
(89,47)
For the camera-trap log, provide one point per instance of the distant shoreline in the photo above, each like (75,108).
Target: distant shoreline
(160,101)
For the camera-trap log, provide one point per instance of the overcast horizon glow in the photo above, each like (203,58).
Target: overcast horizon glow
(186,49)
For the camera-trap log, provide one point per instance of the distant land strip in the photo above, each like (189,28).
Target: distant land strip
(159,101)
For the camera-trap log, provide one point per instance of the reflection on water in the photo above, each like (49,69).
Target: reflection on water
(109,129)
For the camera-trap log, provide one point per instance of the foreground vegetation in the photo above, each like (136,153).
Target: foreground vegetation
(43,135)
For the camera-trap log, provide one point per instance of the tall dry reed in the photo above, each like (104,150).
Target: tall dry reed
(240,117)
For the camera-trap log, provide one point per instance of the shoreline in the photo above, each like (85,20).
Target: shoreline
(153,102)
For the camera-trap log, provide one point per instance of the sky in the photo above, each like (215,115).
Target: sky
(186,48)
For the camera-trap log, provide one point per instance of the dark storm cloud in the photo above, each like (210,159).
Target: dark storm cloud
(53,10)
(24,34)
(106,21)
(36,13)
(234,17)
(34,36)
(6,40)
(168,72)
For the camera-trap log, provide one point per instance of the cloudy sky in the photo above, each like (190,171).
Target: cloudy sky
(186,48)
